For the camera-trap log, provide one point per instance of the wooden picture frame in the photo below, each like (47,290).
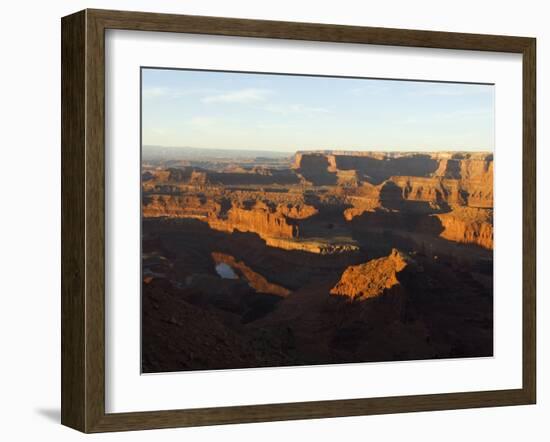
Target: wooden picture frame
(83,220)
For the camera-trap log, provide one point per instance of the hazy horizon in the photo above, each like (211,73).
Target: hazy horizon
(252,149)
(287,113)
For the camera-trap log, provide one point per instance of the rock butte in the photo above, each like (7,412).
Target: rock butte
(372,278)
(339,257)
(453,190)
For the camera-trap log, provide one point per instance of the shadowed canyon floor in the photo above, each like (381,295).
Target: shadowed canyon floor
(315,258)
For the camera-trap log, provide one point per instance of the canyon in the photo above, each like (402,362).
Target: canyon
(331,256)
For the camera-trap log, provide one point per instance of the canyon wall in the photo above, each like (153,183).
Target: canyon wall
(456,187)
(262,221)
(179,206)
(468,225)
(454,190)
(254,279)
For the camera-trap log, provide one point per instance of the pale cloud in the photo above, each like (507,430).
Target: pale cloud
(155,92)
(274,126)
(449,90)
(202,122)
(296,109)
(250,95)
(462,115)
(369,89)
(172,93)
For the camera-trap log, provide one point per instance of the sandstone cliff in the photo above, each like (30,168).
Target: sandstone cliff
(318,169)
(259,219)
(297,211)
(179,206)
(362,187)
(468,225)
(470,172)
(254,279)
(372,278)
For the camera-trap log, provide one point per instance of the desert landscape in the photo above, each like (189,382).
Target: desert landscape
(267,258)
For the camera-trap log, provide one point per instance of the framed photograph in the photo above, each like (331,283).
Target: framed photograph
(270,220)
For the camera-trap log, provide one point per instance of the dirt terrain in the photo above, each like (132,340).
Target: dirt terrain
(315,258)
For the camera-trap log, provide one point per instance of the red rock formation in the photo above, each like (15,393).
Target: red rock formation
(265,200)
(299,211)
(320,247)
(255,280)
(317,168)
(468,183)
(378,167)
(372,278)
(473,170)
(477,180)
(348,178)
(365,198)
(479,169)
(468,225)
(448,168)
(259,219)
(432,190)
(175,206)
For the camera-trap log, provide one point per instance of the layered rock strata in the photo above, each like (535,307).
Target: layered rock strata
(468,225)
(455,190)
(372,278)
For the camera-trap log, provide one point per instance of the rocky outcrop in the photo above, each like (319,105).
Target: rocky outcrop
(254,177)
(468,225)
(317,169)
(320,274)
(365,198)
(297,211)
(432,190)
(318,246)
(254,279)
(179,206)
(372,278)
(418,195)
(196,176)
(298,207)
(376,167)
(259,219)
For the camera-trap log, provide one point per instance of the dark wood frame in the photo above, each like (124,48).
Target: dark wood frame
(83,217)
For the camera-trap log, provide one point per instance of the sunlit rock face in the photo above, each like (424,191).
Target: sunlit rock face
(254,279)
(468,225)
(372,278)
(281,205)
(316,258)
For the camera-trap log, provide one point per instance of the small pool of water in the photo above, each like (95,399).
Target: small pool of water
(226,271)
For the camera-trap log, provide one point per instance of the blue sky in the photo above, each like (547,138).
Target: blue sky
(288,113)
